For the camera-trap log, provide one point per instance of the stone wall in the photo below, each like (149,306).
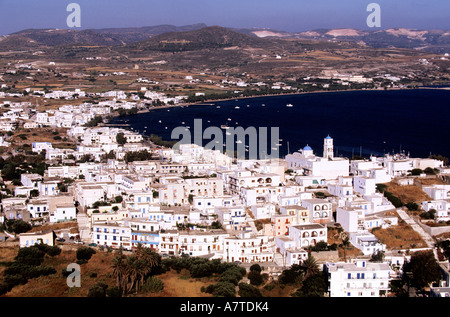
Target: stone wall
(434,231)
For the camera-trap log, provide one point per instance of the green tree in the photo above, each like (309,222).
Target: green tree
(17,226)
(85,253)
(293,275)
(256,267)
(424,269)
(224,289)
(120,138)
(315,285)
(246,290)
(255,278)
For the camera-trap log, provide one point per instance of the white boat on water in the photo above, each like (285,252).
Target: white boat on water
(237,107)
(224,126)
(289,105)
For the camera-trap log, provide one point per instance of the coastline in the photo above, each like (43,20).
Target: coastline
(213,101)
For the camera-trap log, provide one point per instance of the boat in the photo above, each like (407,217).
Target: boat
(289,105)
(237,107)
(263,105)
(229,119)
(224,126)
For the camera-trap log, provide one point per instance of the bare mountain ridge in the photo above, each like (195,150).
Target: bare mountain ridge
(437,41)
(31,38)
(206,38)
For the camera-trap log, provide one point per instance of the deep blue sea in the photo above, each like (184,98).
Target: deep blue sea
(360,122)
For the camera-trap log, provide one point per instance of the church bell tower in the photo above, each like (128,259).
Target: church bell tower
(328,151)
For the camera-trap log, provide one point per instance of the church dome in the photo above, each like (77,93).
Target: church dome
(307,148)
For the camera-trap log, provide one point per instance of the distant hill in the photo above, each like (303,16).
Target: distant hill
(437,41)
(54,37)
(204,38)
(32,38)
(136,34)
(163,37)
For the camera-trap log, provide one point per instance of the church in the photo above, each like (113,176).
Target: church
(326,166)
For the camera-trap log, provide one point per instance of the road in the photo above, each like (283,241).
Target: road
(416,227)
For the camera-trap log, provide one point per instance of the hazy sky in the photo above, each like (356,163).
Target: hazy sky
(287,15)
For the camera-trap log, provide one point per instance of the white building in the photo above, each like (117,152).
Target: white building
(358,279)
(29,239)
(442,208)
(437,191)
(65,212)
(306,235)
(290,253)
(248,248)
(111,234)
(202,242)
(230,217)
(40,146)
(309,164)
(321,209)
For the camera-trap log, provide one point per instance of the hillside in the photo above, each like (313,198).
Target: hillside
(206,38)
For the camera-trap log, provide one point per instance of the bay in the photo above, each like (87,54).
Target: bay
(414,121)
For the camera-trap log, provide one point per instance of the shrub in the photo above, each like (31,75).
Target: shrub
(98,290)
(293,275)
(18,226)
(232,275)
(85,253)
(431,214)
(393,199)
(269,287)
(114,292)
(224,289)
(255,278)
(412,206)
(153,285)
(246,290)
(255,267)
(30,255)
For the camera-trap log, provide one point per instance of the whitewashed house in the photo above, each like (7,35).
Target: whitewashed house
(359,278)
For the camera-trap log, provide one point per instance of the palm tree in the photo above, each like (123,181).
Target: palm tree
(131,271)
(310,266)
(120,272)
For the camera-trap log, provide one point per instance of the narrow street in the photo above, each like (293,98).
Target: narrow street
(416,227)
